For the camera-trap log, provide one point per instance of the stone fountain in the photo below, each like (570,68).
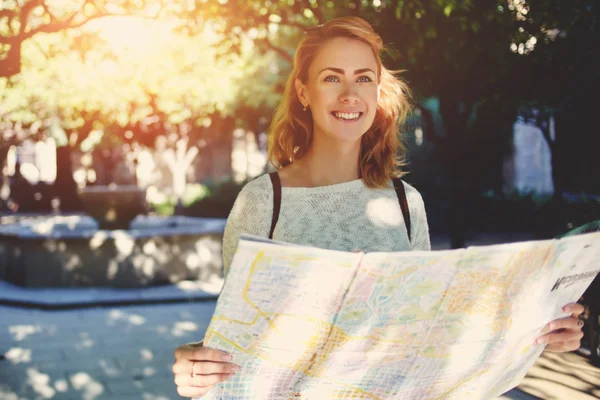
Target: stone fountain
(114,245)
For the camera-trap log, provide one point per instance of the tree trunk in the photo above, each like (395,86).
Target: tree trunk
(65,186)
(457,168)
(3,156)
(458,204)
(544,124)
(558,180)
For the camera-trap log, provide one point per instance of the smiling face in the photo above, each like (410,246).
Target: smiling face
(342,89)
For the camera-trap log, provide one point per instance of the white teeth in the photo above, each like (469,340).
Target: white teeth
(347,115)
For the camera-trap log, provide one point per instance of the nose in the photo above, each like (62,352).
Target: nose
(348,95)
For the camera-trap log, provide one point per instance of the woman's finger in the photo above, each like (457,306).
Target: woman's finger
(201,354)
(184,367)
(565,336)
(563,347)
(200,380)
(565,323)
(189,391)
(575,309)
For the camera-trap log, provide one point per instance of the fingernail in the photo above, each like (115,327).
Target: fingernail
(226,357)
(550,327)
(540,341)
(565,308)
(235,368)
(231,374)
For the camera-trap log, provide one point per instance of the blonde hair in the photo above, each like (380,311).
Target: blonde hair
(291,131)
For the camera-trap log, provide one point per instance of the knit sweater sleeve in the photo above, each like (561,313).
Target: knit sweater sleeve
(251,214)
(418,224)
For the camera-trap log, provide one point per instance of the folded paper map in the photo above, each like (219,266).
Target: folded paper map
(308,323)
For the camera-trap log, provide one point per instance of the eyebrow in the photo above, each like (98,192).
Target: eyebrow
(341,71)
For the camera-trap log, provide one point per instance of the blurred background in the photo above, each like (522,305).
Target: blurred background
(176,98)
(128,127)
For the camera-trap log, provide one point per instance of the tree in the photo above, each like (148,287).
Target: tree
(562,80)
(20,21)
(173,86)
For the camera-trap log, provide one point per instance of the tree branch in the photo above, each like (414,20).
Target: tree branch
(7,14)
(318,13)
(67,24)
(9,40)
(28,7)
(52,17)
(10,65)
(284,54)
(24,14)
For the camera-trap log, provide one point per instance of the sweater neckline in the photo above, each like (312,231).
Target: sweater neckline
(335,188)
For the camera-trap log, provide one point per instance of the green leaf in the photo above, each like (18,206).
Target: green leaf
(448,10)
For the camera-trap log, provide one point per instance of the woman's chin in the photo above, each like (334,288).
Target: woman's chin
(348,137)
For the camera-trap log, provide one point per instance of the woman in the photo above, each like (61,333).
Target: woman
(334,140)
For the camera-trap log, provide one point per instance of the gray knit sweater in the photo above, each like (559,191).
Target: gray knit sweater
(347,216)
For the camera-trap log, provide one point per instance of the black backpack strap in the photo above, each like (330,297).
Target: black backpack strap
(401,193)
(276,200)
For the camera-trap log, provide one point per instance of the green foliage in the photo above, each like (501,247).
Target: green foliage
(195,192)
(118,84)
(163,204)
(482,61)
(165,208)
(219,203)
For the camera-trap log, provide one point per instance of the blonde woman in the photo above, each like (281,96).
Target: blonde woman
(335,143)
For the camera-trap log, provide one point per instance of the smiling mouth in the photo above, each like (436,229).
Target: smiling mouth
(353,116)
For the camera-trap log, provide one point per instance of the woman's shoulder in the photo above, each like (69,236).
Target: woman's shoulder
(258,188)
(413,196)
(253,202)
(410,189)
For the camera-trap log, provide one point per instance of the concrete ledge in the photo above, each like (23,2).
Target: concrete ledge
(58,252)
(74,298)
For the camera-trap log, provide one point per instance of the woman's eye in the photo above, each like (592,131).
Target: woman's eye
(365,79)
(332,78)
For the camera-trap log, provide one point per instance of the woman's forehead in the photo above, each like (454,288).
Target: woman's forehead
(344,53)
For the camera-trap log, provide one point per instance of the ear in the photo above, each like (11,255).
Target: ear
(301,91)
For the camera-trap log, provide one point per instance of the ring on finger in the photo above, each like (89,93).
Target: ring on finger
(192,372)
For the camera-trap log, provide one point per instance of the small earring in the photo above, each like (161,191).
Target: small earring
(305,107)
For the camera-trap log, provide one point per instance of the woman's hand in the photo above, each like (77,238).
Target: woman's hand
(565,333)
(197,369)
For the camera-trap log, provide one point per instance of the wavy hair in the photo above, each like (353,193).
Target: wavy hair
(291,131)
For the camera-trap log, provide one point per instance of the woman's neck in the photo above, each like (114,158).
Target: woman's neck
(329,164)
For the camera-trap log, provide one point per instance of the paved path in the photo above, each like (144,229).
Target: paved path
(117,353)
(126,353)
